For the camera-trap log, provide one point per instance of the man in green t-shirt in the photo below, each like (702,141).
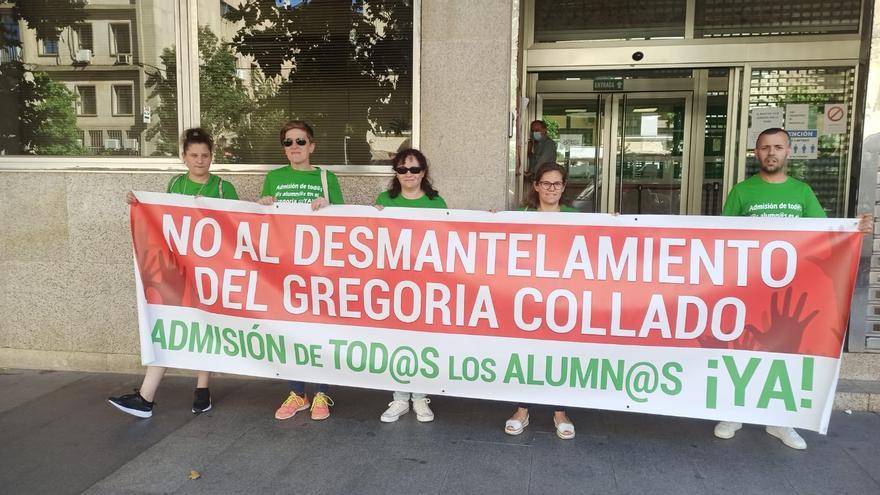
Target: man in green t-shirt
(772,193)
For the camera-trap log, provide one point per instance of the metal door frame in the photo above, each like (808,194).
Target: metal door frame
(610,126)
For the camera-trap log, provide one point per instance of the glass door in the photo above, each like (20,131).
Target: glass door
(577,123)
(651,153)
(624,152)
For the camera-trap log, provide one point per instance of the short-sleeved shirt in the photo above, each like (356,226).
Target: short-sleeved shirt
(301,186)
(755,197)
(424,201)
(214,188)
(562,209)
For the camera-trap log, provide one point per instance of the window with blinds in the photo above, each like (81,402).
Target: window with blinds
(94,84)
(735,18)
(573,20)
(343,67)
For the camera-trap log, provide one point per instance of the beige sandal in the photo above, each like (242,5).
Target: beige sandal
(515,427)
(564,430)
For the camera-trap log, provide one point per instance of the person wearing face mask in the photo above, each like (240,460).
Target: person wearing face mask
(410,188)
(198,151)
(542,149)
(301,182)
(545,195)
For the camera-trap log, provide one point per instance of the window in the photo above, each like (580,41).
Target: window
(343,67)
(120,39)
(123,100)
(820,158)
(96,141)
(727,18)
(570,20)
(77,90)
(10,51)
(83,35)
(48,47)
(87,100)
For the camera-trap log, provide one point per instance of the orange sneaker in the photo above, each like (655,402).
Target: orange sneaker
(321,406)
(292,405)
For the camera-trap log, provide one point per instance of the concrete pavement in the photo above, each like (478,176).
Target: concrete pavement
(58,435)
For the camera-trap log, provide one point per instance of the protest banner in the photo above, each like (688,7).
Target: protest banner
(737,319)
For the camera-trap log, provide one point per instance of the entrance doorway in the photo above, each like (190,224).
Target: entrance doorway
(652,143)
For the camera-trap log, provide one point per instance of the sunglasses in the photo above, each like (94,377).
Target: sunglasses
(403,170)
(289,142)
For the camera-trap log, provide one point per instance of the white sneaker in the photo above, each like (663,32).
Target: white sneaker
(727,429)
(423,412)
(788,436)
(396,409)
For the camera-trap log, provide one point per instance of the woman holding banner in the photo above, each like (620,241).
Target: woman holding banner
(410,188)
(544,195)
(301,182)
(198,151)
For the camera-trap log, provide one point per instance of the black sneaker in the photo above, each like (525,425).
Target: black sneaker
(202,401)
(133,404)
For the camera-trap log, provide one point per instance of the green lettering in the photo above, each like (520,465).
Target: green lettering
(778,375)
(158,333)
(615,375)
(580,375)
(740,381)
(177,328)
(675,387)
(514,370)
(199,342)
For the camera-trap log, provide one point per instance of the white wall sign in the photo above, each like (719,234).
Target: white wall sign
(797,116)
(835,119)
(763,118)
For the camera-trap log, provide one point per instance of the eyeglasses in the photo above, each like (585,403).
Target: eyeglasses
(403,170)
(289,142)
(549,186)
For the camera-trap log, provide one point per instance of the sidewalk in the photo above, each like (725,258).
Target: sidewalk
(58,435)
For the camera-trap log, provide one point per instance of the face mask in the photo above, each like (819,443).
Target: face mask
(536,136)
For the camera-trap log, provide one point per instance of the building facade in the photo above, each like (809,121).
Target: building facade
(654,107)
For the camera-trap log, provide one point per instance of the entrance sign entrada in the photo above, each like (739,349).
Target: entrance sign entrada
(718,318)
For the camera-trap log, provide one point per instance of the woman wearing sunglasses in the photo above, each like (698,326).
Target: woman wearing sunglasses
(410,188)
(544,195)
(301,182)
(198,149)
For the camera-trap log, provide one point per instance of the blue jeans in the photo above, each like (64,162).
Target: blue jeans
(404,396)
(299,388)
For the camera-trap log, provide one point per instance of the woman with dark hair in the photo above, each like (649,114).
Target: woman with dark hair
(544,195)
(409,188)
(301,182)
(198,151)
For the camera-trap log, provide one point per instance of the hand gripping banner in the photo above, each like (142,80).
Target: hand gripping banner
(737,319)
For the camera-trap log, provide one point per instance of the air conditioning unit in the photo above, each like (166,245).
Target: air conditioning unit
(84,56)
(112,144)
(132,144)
(123,59)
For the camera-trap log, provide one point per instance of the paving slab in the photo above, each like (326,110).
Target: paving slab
(87,446)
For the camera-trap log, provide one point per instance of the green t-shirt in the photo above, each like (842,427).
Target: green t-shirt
(214,188)
(755,197)
(562,209)
(299,186)
(423,202)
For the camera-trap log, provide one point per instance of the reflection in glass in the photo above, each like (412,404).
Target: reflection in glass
(73,73)
(344,67)
(575,126)
(650,155)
